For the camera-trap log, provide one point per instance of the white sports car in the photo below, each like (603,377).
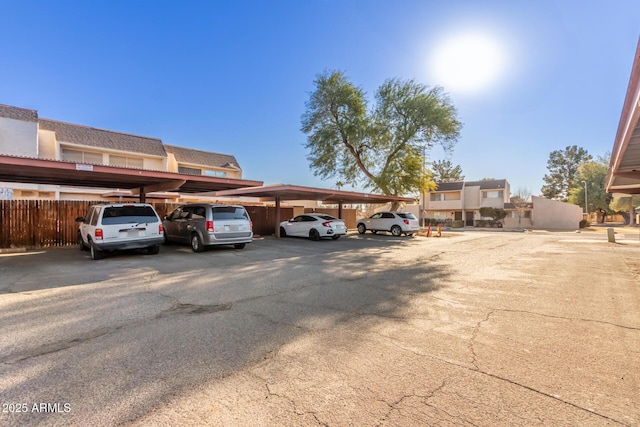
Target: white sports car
(313,226)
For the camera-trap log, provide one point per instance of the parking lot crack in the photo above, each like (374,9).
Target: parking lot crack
(58,346)
(553,397)
(604,322)
(474,336)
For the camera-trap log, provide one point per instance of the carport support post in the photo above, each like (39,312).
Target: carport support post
(340,209)
(277,217)
(143,195)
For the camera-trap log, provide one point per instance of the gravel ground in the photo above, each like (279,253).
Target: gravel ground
(471,329)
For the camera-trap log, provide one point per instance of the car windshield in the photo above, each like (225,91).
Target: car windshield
(128,214)
(230,212)
(407,215)
(327,217)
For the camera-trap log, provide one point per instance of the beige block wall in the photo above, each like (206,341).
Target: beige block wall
(555,215)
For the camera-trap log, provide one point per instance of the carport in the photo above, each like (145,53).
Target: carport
(280,192)
(140,182)
(624,169)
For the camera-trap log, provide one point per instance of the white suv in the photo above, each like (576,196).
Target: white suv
(395,222)
(120,226)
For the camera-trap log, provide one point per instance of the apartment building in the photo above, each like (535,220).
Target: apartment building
(24,134)
(462,200)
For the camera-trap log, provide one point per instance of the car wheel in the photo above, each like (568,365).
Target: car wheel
(314,235)
(396,231)
(153,250)
(361,228)
(196,243)
(239,245)
(336,237)
(83,248)
(283,232)
(96,253)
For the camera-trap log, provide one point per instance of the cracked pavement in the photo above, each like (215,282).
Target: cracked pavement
(475,329)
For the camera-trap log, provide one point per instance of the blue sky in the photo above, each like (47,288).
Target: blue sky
(233,77)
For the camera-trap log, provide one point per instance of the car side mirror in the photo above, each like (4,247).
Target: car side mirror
(79,219)
(166,217)
(290,220)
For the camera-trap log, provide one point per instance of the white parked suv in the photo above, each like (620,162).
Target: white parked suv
(120,226)
(397,223)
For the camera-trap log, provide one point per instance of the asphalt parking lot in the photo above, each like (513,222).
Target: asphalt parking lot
(470,329)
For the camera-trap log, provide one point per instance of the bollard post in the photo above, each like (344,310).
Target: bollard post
(611,235)
(429,230)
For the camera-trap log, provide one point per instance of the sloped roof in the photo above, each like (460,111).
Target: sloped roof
(489,184)
(203,158)
(449,186)
(623,175)
(100,138)
(16,113)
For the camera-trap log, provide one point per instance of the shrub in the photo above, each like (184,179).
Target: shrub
(458,223)
(585,223)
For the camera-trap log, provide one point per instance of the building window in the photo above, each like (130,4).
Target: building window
(496,194)
(78,156)
(189,171)
(215,173)
(126,162)
(441,197)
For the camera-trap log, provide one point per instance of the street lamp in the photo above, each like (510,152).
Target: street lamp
(586,204)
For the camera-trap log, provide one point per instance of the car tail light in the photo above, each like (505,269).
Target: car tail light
(160,229)
(210,226)
(406,221)
(251,225)
(327,224)
(99,233)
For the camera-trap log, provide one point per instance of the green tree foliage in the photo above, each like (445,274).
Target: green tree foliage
(625,206)
(444,171)
(496,214)
(381,147)
(594,173)
(563,167)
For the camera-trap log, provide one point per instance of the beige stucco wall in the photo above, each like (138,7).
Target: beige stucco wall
(471,197)
(555,215)
(18,138)
(172,163)
(47,147)
(156,164)
(518,222)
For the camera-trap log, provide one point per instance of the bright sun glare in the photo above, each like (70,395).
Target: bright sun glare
(468,62)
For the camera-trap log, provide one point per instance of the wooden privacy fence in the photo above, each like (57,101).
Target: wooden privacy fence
(40,223)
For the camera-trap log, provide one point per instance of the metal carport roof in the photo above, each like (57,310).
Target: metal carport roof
(279,192)
(624,169)
(41,171)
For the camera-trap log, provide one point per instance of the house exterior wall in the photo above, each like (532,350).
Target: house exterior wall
(18,137)
(47,147)
(555,215)
(471,197)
